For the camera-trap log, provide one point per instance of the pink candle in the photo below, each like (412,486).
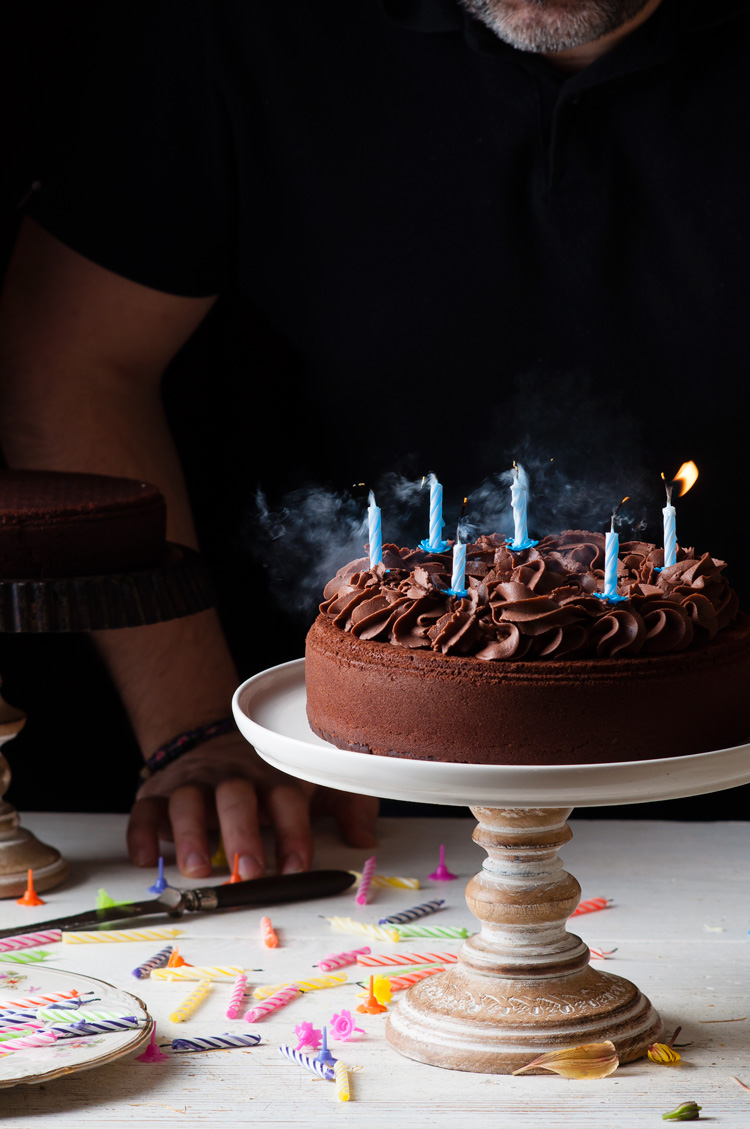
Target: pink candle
(341,960)
(30,940)
(277,1000)
(363,889)
(235,1000)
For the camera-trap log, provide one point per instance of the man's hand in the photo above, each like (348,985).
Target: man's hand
(225,784)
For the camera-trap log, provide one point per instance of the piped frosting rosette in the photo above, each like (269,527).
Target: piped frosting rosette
(537,604)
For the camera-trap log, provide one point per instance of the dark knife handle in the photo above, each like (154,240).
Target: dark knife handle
(280,888)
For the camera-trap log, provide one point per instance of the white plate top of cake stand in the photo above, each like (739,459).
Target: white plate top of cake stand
(270,710)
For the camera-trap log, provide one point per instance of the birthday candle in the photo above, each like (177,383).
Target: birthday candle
(591,906)
(349,925)
(519,496)
(38,1039)
(157,961)
(375,532)
(408,958)
(380,881)
(214,1042)
(670,528)
(25,958)
(315,982)
(237,996)
(341,960)
(270,940)
(277,1000)
(111,935)
(406,931)
(102,1027)
(413,913)
(85,1014)
(191,1002)
(458,579)
(341,1078)
(398,983)
(30,940)
(40,1001)
(197,972)
(364,883)
(611,558)
(311,1064)
(262,992)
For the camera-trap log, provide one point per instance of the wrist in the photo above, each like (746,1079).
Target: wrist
(185,741)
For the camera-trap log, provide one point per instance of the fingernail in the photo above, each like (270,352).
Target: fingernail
(292,865)
(250,867)
(194,862)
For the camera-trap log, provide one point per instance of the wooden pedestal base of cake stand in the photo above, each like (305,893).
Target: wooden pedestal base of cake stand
(20,851)
(523,984)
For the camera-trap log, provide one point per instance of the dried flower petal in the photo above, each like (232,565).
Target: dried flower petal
(688,1111)
(660,1052)
(591,1060)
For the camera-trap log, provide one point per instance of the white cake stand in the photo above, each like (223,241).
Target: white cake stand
(523,984)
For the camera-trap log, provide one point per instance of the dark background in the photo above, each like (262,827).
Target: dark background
(77,751)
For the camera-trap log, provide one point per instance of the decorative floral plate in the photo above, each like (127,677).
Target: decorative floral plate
(40,1064)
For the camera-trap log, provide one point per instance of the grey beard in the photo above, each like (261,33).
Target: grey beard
(546,25)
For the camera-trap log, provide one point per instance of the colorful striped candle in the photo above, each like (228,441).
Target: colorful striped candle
(374,532)
(277,1000)
(38,1039)
(197,972)
(103,1027)
(341,960)
(412,914)
(365,881)
(55,1015)
(313,983)
(407,958)
(398,983)
(214,1042)
(25,958)
(191,1002)
(406,931)
(310,1064)
(270,940)
(237,996)
(30,940)
(349,925)
(110,936)
(41,1001)
(592,905)
(341,1078)
(157,961)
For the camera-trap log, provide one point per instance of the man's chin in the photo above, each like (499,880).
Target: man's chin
(560,25)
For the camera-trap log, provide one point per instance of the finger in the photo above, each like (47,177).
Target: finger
(356,817)
(237,809)
(143,831)
(187,812)
(289,810)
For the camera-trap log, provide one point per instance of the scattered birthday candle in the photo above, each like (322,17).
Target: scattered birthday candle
(237,996)
(30,940)
(408,958)
(270,940)
(41,1001)
(407,931)
(398,983)
(341,960)
(277,1000)
(383,881)
(157,961)
(39,1039)
(349,925)
(214,1042)
(592,905)
(363,889)
(102,1027)
(313,983)
(86,1014)
(120,935)
(310,1064)
(441,873)
(264,991)
(197,972)
(191,1002)
(25,958)
(412,914)
(341,1078)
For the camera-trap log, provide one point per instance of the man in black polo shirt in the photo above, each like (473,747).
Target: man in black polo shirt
(439,229)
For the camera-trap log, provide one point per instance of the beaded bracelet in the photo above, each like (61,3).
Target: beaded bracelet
(183,743)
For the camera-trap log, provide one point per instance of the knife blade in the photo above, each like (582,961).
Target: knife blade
(270,890)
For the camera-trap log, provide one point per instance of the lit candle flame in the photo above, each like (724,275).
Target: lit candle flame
(686,476)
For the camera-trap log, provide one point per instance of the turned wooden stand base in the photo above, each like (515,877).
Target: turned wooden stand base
(523,984)
(21,851)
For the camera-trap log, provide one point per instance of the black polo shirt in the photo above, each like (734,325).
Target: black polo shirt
(437,252)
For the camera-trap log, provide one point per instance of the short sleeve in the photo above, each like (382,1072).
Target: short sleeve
(145,186)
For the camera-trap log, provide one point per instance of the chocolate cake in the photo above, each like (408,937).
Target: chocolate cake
(531,666)
(54,524)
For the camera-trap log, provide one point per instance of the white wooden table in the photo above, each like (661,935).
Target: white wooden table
(674,885)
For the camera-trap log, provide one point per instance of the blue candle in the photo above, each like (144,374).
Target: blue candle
(611,558)
(436,515)
(375,533)
(458,579)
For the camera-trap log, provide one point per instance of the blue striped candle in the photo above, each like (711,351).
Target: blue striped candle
(375,532)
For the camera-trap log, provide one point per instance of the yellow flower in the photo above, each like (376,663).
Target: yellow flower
(382,989)
(660,1052)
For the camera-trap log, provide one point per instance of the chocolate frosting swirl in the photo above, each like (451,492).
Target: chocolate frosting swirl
(538,604)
